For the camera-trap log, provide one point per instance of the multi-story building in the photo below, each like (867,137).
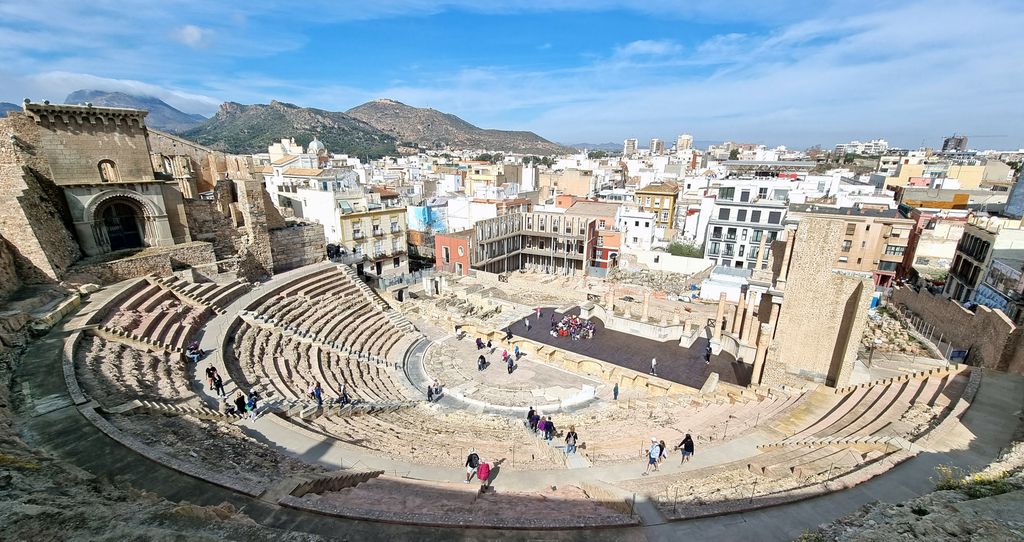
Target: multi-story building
(874,147)
(657,146)
(629,147)
(373,233)
(659,198)
(874,241)
(684,142)
(984,236)
(956,143)
(1003,285)
(745,212)
(638,229)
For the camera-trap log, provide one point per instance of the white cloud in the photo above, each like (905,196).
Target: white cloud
(192,35)
(647,48)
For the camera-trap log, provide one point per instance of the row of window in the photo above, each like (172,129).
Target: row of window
(360,249)
(730,194)
(730,234)
(725,213)
(729,250)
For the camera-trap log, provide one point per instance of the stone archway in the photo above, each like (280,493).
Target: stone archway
(123,225)
(121,219)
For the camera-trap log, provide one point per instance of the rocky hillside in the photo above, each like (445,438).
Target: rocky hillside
(247,129)
(161,115)
(432,129)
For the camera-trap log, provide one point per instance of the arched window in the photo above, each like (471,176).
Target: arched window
(108,172)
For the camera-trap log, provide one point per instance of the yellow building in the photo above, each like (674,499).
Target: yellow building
(374,235)
(659,198)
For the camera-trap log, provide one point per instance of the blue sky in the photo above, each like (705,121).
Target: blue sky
(784,72)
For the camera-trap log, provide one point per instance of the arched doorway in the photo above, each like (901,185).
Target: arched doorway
(123,224)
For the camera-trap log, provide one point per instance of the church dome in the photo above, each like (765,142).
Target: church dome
(316,146)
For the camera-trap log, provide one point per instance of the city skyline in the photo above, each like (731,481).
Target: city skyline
(575,72)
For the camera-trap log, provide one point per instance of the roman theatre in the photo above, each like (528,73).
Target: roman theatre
(390,456)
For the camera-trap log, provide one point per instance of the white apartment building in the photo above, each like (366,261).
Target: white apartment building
(638,229)
(684,142)
(874,147)
(744,212)
(630,146)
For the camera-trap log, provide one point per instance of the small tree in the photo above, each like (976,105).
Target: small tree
(734,154)
(597,155)
(686,249)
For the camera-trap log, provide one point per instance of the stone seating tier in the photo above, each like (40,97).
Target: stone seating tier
(113,373)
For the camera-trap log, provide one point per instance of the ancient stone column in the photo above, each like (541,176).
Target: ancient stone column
(737,316)
(647,306)
(746,334)
(675,318)
(720,315)
(763,339)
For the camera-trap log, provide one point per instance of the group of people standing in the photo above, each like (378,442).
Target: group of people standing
(434,391)
(545,427)
(572,326)
(508,359)
(658,453)
(214,381)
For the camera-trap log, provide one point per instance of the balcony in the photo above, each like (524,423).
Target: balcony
(396,229)
(358,235)
(378,233)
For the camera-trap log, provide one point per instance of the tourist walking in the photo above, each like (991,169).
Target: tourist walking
(510,365)
(615,392)
(218,385)
(479,343)
(549,429)
(250,407)
(539,314)
(318,394)
(526,322)
(685,449)
(472,463)
(654,366)
(707,355)
(210,372)
(664,451)
(653,453)
(240,404)
(570,440)
(529,416)
(483,472)
(480,362)
(430,393)
(490,348)
(515,352)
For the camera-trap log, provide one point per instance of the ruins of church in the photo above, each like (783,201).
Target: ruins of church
(92,194)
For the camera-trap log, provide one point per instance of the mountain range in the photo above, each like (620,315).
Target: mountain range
(5,107)
(247,129)
(432,129)
(373,129)
(161,115)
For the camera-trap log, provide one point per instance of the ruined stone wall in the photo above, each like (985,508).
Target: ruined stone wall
(33,212)
(203,160)
(297,245)
(992,338)
(162,262)
(208,223)
(823,311)
(257,247)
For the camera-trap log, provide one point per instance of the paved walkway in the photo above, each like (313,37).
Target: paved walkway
(676,363)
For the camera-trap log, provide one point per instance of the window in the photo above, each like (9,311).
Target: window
(600,241)
(730,234)
(775,217)
(847,244)
(863,244)
(398,262)
(664,215)
(843,259)
(745,195)
(887,266)
(743,234)
(755,216)
(657,202)
(757,236)
(648,200)
(637,223)
(741,215)
(714,247)
(723,214)
(741,250)
(727,193)
(858,261)
(851,229)
(728,250)
(867,228)
(762,193)
(895,250)
(716,232)
(647,224)
(600,225)
(462,251)
(446,255)
(108,171)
